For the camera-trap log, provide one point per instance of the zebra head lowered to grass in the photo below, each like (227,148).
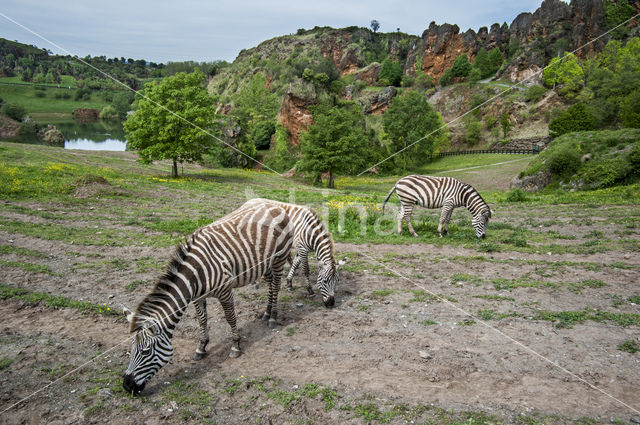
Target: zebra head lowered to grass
(234,251)
(311,235)
(440,192)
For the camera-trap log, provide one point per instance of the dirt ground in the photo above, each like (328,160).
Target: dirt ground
(386,345)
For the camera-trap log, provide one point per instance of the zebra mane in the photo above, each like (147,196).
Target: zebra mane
(160,290)
(474,192)
(325,229)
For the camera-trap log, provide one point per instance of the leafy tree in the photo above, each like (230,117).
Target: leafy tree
(375,25)
(255,109)
(336,142)
(461,67)
(576,118)
(283,159)
(505,123)
(163,125)
(390,73)
(617,13)
(630,110)
(446,77)
(566,72)
(534,93)
(495,60)
(411,119)
(482,64)
(122,103)
(108,113)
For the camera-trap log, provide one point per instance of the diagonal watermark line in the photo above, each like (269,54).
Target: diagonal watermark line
(138,93)
(129,338)
(501,333)
(491,99)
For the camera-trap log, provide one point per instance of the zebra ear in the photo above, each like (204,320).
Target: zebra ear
(127,313)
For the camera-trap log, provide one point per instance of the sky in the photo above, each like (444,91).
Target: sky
(162,31)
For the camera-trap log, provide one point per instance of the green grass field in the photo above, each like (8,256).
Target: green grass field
(46,106)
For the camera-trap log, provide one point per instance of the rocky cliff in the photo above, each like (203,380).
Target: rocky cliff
(528,44)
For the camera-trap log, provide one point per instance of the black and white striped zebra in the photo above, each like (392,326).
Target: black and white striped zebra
(436,192)
(234,251)
(311,235)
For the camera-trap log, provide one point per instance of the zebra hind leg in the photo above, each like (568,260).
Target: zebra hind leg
(226,301)
(201,312)
(405,215)
(272,307)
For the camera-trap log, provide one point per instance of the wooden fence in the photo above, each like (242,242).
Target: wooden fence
(481,151)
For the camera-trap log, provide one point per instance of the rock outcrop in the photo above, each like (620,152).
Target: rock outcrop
(378,102)
(86,115)
(294,114)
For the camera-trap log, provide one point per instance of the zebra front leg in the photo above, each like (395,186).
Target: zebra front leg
(226,301)
(294,266)
(305,270)
(445,216)
(201,311)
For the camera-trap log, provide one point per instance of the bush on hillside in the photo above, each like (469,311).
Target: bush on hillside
(14,111)
(517,195)
(565,161)
(576,118)
(109,113)
(534,93)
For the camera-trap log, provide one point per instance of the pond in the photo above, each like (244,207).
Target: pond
(97,136)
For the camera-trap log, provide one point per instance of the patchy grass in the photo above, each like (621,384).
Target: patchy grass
(54,301)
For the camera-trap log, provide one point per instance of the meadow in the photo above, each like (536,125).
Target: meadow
(536,324)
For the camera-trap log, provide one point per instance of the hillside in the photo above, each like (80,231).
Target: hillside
(371,68)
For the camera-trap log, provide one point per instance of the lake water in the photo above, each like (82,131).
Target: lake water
(95,136)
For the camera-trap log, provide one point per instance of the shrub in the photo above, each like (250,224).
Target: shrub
(534,93)
(28,127)
(14,111)
(605,173)
(82,94)
(461,66)
(576,118)
(423,80)
(40,93)
(109,113)
(565,161)
(517,195)
(446,78)
(634,159)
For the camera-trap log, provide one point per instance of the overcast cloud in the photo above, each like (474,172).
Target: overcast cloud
(161,31)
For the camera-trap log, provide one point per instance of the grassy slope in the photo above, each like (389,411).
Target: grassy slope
(25,96)
(140,193)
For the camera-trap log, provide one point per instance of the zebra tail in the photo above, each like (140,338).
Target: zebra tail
(387,198)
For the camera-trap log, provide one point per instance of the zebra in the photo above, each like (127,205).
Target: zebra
(234,251)
(436,192)
(311,234)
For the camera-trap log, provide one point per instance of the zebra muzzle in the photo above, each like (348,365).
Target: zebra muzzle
(130,386)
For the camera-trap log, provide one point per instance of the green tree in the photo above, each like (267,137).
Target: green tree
(495,60)
(461,67)
(565,72)
(122,103)
(411,119)
(390,72)
(617,13)
(163,126)
(14,111)
(375,25)
(576,118)
(255,109)
(336,142)
(505,123)
(108,113)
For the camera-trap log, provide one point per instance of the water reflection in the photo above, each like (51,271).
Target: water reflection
(92,145)
(99,136)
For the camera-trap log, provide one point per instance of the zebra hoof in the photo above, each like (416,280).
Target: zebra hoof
(235,353)
(272,324)
(266,317)
(199,356)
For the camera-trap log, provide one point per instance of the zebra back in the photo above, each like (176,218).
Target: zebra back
(433,192)
(309,229)
(234,251)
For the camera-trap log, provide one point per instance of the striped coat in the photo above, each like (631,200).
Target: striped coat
(311,235)
(440,192)
(234,251)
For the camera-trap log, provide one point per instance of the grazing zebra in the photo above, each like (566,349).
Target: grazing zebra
(311,234)
(234,251)
(436,192)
